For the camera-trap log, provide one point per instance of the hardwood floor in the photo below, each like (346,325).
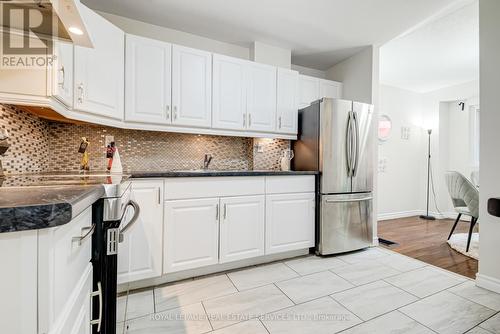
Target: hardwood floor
(425,240)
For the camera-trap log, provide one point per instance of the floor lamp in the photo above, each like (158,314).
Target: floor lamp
(427,216)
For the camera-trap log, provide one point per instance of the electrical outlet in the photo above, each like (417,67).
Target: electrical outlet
(259,148)
(382,165)
(108,139)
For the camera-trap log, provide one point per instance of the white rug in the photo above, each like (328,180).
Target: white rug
(458,242)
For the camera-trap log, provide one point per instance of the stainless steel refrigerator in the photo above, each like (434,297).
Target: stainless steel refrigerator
(336,138)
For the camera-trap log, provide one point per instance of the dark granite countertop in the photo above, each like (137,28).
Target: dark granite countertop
(203,173)
(36,201)
(29,208)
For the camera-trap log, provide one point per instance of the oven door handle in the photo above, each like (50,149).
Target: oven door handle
(132,220)
(98,293)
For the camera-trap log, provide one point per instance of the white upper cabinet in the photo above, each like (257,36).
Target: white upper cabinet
(62,73)
(287,101)
(147,80)
(99,71)
(191,87)
(261,97)
(329,88)
(140,253)
(308,90)
(229,93)
(241,228)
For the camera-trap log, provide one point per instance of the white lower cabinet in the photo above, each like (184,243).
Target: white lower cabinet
(216,220)
(18,291)
(289,222)
(241,228)
(191,234)
(140,253)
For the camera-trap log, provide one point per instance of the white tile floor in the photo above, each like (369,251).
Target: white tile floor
(371,291)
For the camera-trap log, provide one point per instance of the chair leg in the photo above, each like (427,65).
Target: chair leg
(472,224)
(454,225)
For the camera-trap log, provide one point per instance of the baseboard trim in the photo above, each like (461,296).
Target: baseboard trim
(213,269)
(413,213)
(488,282)
(401,214)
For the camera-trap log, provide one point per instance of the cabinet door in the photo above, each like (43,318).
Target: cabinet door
(289,222)
(229,93)
(191,87)
(308,90)
(18,260)
(329,88)
(147,80)
(99,71)
(140,253)
(261,97)
(191,234)
(241,228)
(287,107)
(62,73)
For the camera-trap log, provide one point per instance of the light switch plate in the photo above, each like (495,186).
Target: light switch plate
(405,132)
(108,139)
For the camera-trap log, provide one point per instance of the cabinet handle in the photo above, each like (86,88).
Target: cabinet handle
(225,211)
(175,113)
(84,237)
(217,212)
(61,82)
(93,294)
(159,196)
(249,119)
(279,122)
(167,111)
(244,120)
(80,95)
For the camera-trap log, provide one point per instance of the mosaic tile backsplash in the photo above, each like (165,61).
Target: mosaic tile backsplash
(39,145)
(28,139)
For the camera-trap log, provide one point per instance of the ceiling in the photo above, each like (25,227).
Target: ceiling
(442,53)
(320,33)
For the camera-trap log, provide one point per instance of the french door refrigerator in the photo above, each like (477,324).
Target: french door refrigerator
(336,139)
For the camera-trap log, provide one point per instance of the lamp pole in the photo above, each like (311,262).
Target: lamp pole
(427,216)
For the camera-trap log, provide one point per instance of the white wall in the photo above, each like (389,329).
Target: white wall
(177,37)
(404,184)
(431,103)
(400,192)
(357,75)
(489,242)
(271,55)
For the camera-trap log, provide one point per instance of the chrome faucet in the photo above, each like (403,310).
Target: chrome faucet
(206,161)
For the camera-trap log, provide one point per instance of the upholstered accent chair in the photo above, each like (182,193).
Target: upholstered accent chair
(465,198)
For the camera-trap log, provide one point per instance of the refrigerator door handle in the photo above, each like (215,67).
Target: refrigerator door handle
(356,145)
(349,145)
(349,200)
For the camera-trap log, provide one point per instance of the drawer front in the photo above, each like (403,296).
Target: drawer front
(62,263)
(204,187)
(290,184)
